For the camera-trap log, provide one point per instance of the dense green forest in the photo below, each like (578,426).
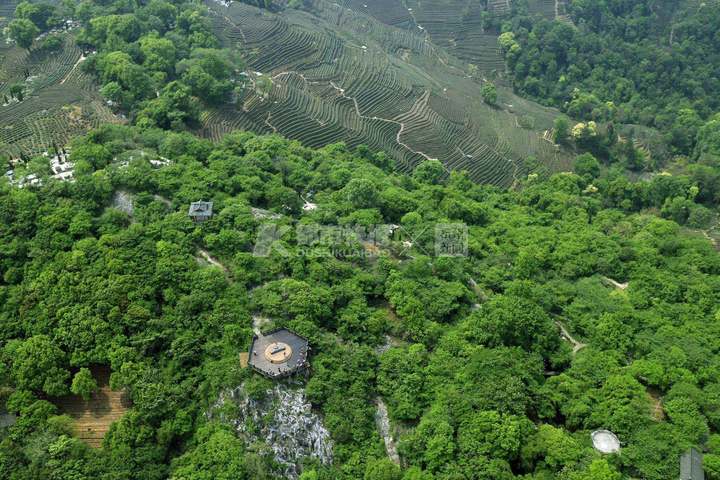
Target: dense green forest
(154,59)
(587,300)
(654,63)
(482,381)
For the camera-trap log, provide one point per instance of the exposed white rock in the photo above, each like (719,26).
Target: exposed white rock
(123,201)
(382,420)
(283,420)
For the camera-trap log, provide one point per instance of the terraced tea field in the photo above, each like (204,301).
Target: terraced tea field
(7,8)
(339,74)
(60,101)
(359,71)
(456,25)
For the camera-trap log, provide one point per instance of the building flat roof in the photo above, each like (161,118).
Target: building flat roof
(278,353)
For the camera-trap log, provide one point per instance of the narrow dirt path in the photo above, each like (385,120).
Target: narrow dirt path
(577,346)
(615,283)
(713,241)
(422,101)
(267,122)
(658,413)
(82,57)
(478,292)
(212,261)
(431,46)
(231,22)
(162,199)
(562,17)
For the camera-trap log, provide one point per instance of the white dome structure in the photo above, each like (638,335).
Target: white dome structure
(605,441)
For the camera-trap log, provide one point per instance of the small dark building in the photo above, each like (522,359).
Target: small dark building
(200,211)
(279,353)
(691,466)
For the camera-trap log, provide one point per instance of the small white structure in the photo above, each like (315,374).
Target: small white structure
(32,180)
(605,441)
(61,167)
(308,206)
(66,176)
(160,162)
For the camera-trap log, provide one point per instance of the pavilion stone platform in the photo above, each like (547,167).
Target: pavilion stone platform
(279,353)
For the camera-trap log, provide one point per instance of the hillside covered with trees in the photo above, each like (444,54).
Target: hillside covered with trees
(652,63)
(480,380)
(576,301)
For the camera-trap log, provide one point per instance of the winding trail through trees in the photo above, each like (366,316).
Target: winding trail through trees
(658,413)
(564,333)
(162,199)
(615,283)
(212,261)
(478,292)
(577,346)
(713,241)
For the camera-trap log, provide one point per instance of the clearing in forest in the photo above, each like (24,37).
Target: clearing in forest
(658,412)
(92,418)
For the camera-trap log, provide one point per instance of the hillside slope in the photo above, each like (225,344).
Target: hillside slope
(328,74)
(341,75)
(59,99)
(574,309)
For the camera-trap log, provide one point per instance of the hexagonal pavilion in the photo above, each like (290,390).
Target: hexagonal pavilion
(279,353)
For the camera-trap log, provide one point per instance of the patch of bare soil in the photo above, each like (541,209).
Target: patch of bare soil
(657,412)
(92,418)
